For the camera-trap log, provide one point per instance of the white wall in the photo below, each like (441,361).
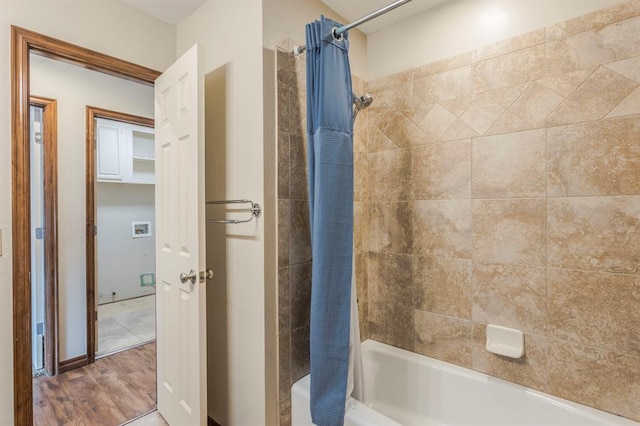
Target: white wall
(459,26)
(230,31)
(287,18)
(121,258)
(108,26)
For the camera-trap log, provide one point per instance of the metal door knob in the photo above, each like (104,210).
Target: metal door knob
(191,276)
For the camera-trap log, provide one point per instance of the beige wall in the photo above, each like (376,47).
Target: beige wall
(504,187)
(104,25)
(459,26)
(75,88)
(230,31)
(288,18)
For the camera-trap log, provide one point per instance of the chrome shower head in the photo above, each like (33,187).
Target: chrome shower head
(360,103)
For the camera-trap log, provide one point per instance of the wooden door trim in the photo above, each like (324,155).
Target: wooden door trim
(50,190)
(23,42)
(91,115)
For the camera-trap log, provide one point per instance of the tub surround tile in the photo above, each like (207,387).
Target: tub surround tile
(599,158)
(394,125)
(285,65)
(362,277)
(566,84)
(300,293)
(530,39)
(629,106)
(361,217)
(510,165)
(595,233)
(442,171)
(443,228)
(596,377)
(510,295)
(284,413)
(482,113)
(507,70)
(298,183)
(283,165)
(530,370)
(390,278)
(389,81)
(595,20)
(361,177)
(284,367)
(445,338)
(506,96)
(363,320)
(508,122)
(536,104)
(283,108)
(398,97)
(390,175)
(391,227)
(594,308)
(299,353)
(459,130)
(630,68)
(378,141)
(436,122)
(284,231)
(510,231)
(300,239)
(443,65)
(447,85)
(284,302)
(391,323)
(443,286)
(297,111)
(569,112)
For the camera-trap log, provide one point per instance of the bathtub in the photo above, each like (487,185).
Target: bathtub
(404,388)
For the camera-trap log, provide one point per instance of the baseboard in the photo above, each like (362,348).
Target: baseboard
(211,422)
(72,364)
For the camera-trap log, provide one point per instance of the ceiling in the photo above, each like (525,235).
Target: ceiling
(355,9)
(172,11)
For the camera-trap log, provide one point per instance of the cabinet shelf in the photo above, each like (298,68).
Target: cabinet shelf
(143,158)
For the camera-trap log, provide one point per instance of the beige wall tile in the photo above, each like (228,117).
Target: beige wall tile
(595,233)
(510,295)
(510,165)
(442,228)
(446,85)
(507,70)
(394,125)
(360,227)
(595,47)
(397,97)
(391,323)
(391,227)
(389,81)
(565,84)
(300,294)
(459,104)
(284,232)
(298,175)
(508,122)
(510,231)
(511,45)
(536,103)
(630,68)
(284,302)
(300,233)
(530,370)
(283,107)
(459,130)
(297,111)
(436,122)
(597,158)
(595,308)
(390,175)
(602,91)
(391,278)
(595,20)
(443,285)
(378,141)
(602,379)
(283,165)
(569,112)
(284,367)
(506,96)
(442,171)
(629,106)
(441,66)
(482,113)
(362,277)
(284,410)
(360,176)
(299,353)
(445,338)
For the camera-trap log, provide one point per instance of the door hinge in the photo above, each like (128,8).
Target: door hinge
(39,233)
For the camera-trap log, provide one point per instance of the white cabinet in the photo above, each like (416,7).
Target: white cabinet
(125,152)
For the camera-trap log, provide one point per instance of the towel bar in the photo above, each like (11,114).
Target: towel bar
(255,210)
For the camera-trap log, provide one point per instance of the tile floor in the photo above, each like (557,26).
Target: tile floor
(125,324)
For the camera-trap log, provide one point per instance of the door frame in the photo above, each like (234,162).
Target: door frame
(24,42)
(50,191)
(91,115)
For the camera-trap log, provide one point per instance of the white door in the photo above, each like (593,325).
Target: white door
(180,242)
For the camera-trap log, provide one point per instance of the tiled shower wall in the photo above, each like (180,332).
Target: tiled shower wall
(294,245)
(505,189)
(498,186)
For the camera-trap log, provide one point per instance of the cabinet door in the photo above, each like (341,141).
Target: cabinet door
(109,146)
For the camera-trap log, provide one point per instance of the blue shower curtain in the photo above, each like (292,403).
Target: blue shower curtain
(330,131)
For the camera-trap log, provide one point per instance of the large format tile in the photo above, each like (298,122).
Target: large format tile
(590,21)
(300,294)
(391,227)
(598,158)
(442,171)
(390,175)
(536,103)
(510,231)
(442,228)
(507,70)
(595,308)
(443,286)
(595,233)
(597,377)
(391,278)
(300,233)
(510,165)
(445,338)
(510,295)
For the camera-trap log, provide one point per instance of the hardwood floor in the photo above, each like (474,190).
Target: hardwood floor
(109,392)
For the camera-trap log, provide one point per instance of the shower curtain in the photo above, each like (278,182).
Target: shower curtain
(330,154)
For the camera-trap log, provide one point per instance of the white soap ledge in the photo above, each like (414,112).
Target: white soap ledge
(505,341)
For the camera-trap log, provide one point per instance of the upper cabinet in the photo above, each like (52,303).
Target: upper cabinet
(125,152)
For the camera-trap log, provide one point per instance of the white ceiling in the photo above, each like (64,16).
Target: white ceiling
(172,11)
(355,9)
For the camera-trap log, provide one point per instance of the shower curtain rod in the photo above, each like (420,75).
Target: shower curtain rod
(337,32)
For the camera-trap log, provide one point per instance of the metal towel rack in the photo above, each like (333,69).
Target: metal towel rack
(255,210)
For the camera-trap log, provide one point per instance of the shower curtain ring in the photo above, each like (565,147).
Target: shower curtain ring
(336,36)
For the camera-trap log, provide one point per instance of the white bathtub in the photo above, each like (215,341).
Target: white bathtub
(404,388)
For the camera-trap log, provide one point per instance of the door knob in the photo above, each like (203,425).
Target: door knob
(191,276)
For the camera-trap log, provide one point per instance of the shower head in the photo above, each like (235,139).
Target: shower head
(360,103)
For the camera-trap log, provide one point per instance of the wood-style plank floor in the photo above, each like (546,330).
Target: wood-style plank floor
(109,392)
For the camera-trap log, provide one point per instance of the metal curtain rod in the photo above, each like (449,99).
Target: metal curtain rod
(337,32)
